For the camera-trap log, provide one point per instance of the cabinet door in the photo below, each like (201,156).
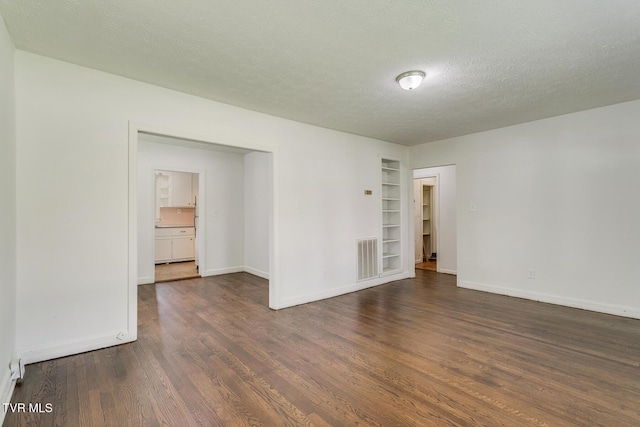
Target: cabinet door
(163,250)
(183,248)
(181,194)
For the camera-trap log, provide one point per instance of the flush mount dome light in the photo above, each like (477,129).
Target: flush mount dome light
(410,80)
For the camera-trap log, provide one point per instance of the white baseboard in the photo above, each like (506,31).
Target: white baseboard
(72,347)
(256,272)
(330,293)
(7,385)
(146,280)
(219,271)
(617,310)
(445,271)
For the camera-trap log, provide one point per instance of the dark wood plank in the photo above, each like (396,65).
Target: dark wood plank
(413,352)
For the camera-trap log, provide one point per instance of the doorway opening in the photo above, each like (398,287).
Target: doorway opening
(426,243)
(435,219)
(176,225)
(215,213)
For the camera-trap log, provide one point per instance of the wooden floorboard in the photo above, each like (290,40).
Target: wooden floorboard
(416,352)
(176,271)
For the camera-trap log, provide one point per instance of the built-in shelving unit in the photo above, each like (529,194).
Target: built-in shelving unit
(391,230)
(426,220)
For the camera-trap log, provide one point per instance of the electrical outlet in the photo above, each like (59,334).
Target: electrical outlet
(531,274)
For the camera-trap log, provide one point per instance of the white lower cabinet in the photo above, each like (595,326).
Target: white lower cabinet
(174,244)
(182,249)
(163,250)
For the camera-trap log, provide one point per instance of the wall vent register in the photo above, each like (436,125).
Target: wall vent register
(367,258)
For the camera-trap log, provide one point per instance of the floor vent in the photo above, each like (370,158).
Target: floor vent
(367,258)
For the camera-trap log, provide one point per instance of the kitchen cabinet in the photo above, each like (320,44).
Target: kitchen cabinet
(174,189)
(182,249)
(173,244)
(181,193)
(163,186)
(163,250)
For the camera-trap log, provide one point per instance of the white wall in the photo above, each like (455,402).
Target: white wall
(257,203)
(7,214)
(447,234)
(73,203)
(221,217)
(559,196)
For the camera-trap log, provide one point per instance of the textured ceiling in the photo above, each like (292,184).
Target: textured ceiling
(489,63)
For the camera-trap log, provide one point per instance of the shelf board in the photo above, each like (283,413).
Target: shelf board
(391,199)
(391,211)
(426,234)
(386,168)
(391,183)
(390,225)
(390,270)
(390,241)
(390,255)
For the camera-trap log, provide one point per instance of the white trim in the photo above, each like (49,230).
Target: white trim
(335,292)
(72,347)
(219,271)
(445,271)
(151,244)
(146,280)
(617,310)
(6,391)
(132,247)
(256,272)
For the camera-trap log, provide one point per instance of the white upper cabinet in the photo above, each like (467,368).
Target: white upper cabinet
(181,194)
(174,189)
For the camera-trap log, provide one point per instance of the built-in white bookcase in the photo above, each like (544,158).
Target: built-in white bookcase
(391,232)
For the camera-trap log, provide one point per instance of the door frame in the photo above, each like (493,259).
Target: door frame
(200,230)
(435,212)
(219,139)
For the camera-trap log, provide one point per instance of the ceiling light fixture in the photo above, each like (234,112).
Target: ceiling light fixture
(410,80)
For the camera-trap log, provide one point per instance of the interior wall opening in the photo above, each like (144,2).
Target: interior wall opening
(220,190)
(176,217)
(435,219)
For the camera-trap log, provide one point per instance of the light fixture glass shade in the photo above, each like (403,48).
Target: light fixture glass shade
(410,80)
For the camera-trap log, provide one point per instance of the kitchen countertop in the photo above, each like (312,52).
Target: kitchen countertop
(173,226)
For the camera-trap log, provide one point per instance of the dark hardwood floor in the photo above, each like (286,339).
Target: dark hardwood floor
(417,352)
